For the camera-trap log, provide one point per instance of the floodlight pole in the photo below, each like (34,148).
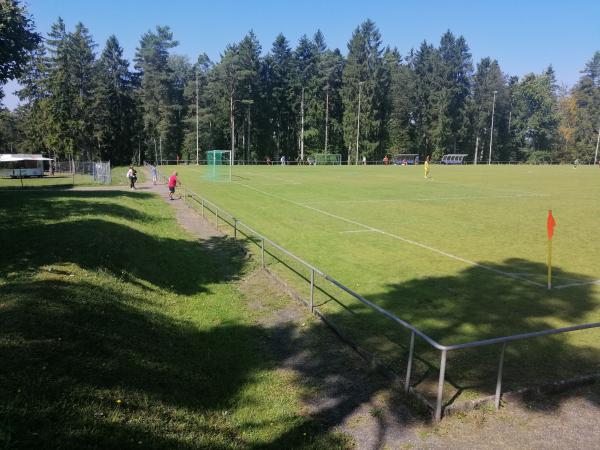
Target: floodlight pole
(232,123)
(302,126)
(197,135)
(326,117)
(597,144)
(492,129)
(476,149)
(360,83)
(155,153)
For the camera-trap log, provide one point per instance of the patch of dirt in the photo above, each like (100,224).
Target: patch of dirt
(565,421)
(341,392)
(186,216)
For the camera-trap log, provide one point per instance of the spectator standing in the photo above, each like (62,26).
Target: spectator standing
(154,174)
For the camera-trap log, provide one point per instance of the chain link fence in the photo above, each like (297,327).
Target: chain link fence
(99,172)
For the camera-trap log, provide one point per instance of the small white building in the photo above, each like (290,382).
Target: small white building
(17,165)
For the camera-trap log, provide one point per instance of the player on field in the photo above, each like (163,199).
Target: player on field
(426,166)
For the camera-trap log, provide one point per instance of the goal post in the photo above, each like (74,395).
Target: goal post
(405,159)
(454,158)
(218,163)
(332,159)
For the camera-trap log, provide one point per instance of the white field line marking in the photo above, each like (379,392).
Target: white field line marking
(357,231)
(400,238)
(472,197)
(583,283)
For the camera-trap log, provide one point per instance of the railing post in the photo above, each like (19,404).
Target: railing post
(410,361)
(312,289)
(262,252)
(440,392)
(217,219)
(234,228)
(202,208)
(499,380)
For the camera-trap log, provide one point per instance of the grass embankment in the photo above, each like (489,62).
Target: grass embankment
(61,180)
(119,330)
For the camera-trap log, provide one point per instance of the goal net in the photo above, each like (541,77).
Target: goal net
(218,163)
(327,159)
(405,159)
(454,158)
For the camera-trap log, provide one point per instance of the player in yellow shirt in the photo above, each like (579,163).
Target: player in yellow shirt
(426,166)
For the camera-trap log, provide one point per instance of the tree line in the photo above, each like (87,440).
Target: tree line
(83,103)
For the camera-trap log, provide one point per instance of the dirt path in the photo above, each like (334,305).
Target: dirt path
(344,395)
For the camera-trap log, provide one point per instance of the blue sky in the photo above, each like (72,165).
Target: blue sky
(524,36)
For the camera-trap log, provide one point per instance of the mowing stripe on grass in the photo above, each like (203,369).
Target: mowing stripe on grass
(271,177)
(400,238)
(426,199)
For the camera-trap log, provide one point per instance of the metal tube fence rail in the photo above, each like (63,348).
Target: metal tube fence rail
(260,240)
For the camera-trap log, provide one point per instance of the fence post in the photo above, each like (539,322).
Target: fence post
(440,392)
(262,252)
(499,380)
(410,361)
(312,289)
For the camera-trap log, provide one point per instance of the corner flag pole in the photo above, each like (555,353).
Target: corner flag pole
(550,224)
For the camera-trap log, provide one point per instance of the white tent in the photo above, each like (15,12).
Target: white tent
(16,157)
(19,165)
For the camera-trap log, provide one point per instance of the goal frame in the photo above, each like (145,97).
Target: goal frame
(330,159)
(214,161)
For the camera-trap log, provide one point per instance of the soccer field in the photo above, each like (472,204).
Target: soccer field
(461,255)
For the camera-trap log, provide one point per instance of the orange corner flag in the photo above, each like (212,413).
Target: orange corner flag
(550,224)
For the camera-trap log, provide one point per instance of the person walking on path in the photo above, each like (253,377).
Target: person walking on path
(154,174)
(132,175)
(172,184)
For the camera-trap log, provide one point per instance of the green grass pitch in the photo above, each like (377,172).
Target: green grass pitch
(461,255)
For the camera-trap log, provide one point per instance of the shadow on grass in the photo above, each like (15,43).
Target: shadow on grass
(85,367)
(96,244)
(71,350)
(41,205)
(476,305)
(71,347)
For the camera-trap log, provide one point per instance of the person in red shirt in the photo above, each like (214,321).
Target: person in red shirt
(172,184)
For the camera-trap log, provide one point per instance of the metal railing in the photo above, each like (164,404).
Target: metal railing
(260,240)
